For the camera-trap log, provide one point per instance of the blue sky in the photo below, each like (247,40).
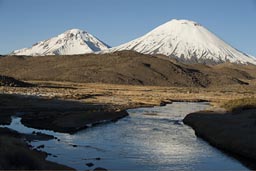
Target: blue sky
(24,22)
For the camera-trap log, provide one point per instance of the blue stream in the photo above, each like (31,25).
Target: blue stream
(149,139)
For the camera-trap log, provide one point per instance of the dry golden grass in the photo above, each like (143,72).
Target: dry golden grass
(133,96)
(240,104)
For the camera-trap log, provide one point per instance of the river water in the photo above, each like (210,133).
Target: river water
(149,139)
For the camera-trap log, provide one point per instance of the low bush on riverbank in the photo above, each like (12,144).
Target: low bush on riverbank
(240,104)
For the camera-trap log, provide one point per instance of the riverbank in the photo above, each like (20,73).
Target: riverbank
(232,131)
(124,144)
(16,154)
(69,107)
(65,112)
(64,116)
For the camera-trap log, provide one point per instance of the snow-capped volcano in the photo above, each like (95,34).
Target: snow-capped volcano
(71,42)
(187,41)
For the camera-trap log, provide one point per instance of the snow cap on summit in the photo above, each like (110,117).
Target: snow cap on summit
(73,41)
(187,41)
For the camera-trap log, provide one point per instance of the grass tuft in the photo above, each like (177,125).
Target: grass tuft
(240,104)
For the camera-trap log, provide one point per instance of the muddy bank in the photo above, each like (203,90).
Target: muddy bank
(35,136)
(70,122)
(16,154)
(232,132)
(64,116)
(67,116)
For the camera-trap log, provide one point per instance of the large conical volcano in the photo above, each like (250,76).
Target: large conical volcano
(71,42)
(187,41)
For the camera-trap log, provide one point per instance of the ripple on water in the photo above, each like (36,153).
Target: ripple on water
(149,139)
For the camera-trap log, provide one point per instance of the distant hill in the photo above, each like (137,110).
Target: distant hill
(124,67)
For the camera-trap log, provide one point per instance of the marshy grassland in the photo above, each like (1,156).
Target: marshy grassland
(125,96)
(68,107)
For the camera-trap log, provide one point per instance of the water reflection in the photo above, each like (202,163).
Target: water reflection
(149,139)
(18,126)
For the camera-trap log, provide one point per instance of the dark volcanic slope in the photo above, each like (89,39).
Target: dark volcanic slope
(118,68)
(124,67)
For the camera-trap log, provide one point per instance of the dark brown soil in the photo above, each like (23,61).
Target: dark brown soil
(29,137)
(124,67)
(231,132)
(70,121)
(52,114)
(9,81)
(15,154)
(57,115)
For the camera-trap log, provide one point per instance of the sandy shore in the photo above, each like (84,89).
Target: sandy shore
(233,132)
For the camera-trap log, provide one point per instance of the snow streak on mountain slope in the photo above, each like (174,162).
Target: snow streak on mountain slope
(71,42)
(187,41)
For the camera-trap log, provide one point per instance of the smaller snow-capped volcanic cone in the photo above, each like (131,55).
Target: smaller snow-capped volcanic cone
(186,41)
(71,42)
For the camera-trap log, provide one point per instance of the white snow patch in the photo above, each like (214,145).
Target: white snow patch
(71,42)
(187,40)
